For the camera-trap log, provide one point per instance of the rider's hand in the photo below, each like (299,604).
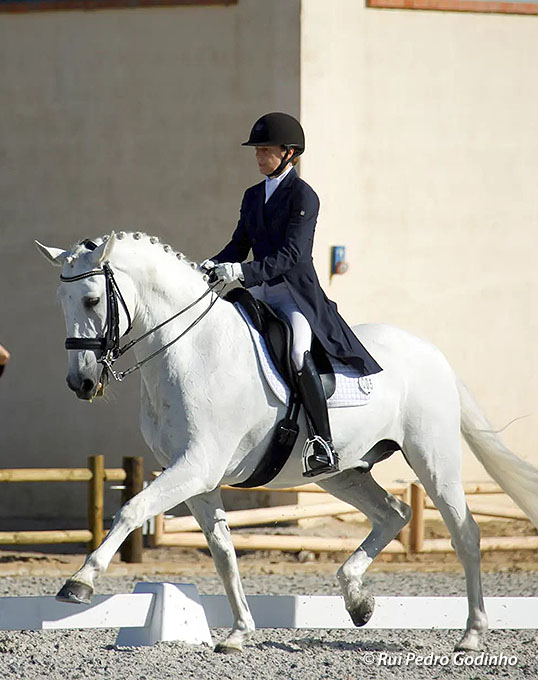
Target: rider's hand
(4,356)
(207,265)
(227,272)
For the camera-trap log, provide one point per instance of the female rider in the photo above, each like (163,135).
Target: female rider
(277,221)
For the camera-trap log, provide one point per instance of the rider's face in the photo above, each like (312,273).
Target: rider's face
(269,158)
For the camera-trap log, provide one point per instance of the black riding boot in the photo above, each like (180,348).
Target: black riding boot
(320,456)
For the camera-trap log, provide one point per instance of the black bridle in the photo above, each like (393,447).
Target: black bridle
(109,343)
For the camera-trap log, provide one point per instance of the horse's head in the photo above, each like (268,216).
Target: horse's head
(83,297)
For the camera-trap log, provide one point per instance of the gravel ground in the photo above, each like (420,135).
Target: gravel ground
(274,654)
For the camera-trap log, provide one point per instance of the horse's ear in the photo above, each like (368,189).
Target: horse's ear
(55,256)
(102,253)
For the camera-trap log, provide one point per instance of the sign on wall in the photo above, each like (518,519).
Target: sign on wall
(513,7)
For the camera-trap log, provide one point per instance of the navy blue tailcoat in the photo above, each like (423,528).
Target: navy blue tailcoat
(280,234)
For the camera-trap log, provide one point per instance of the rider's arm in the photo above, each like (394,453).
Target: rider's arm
(239,246)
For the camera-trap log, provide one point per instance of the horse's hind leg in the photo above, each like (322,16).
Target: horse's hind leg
(388,516)
(210,515)
(432,447)
(449,499)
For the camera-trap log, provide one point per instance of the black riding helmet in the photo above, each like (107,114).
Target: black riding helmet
(278,129)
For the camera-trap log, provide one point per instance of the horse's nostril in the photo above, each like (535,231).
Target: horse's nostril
(87,385)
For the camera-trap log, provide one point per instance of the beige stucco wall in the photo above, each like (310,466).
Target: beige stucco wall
(423,147)
(421,144)
(116,119)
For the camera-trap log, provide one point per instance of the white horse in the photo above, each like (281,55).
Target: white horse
(207,414)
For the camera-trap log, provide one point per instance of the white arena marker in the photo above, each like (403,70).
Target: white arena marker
(297,611)
(177,615)
(154,612)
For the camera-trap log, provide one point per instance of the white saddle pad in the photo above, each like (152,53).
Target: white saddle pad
(351,388)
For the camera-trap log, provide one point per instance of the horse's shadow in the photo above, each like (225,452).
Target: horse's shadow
(300,644)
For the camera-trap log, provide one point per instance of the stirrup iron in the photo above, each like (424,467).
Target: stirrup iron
(326,459)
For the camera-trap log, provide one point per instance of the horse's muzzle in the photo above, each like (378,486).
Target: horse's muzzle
(84,388)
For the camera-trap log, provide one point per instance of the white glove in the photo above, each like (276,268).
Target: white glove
(229,271)
(207,266)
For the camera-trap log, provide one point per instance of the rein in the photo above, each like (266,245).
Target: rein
(109,343)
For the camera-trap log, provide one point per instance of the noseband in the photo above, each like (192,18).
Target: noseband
(109,344)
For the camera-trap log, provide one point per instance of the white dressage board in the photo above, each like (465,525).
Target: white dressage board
(319,611)
(166,611)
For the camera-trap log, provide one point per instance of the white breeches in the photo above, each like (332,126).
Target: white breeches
(280,298)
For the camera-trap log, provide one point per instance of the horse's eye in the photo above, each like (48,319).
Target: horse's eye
(91,302)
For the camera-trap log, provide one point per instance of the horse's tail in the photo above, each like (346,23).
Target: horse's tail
(515,476)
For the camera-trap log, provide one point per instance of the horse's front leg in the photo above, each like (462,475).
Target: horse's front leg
(175,485)
(210,515)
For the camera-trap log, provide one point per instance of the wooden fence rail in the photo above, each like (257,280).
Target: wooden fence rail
(95,475)
(420,502)
(184,531)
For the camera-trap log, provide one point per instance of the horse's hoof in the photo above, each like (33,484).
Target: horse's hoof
(361,614)
(75,592)
(222,648)
(470,642)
